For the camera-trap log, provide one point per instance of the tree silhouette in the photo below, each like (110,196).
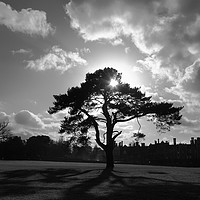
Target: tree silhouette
(97,102)
(5,132)
(37,147)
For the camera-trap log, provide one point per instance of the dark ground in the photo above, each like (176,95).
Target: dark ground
(78,181)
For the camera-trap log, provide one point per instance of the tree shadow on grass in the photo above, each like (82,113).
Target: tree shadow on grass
(27,182)
(110,185)
(71,184)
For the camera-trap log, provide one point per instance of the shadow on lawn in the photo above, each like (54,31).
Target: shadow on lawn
(109,185)
(94,184)
(27,182)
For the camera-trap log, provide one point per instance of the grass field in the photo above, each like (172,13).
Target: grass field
(74,181)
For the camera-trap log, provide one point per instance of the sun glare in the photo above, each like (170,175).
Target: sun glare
(123,65)
(113,82)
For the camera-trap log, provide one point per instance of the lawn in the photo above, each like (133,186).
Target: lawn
(74,181)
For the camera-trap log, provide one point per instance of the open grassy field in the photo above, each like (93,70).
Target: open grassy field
(74,181)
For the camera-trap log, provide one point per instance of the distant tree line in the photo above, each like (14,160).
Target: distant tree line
(78,148)
(41,147)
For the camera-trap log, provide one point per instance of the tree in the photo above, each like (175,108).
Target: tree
(37,147)
(13,148)
(97,102)
(5,132)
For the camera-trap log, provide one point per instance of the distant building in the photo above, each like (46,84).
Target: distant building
(160,153)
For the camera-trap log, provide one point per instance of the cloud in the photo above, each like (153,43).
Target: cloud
(4,117)
(57,59)
(27,118)
(60,115)
(187,86)
(110,20)
(26,124)
(84,51)
(28,21)
(117,41)
(191,79)
(22,51)
(166,32)
(189,123)
(188,127)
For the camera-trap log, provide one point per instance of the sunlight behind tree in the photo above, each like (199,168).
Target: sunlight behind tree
(113,83)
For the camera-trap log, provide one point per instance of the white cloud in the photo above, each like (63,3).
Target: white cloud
(154,65)
(189,122)
(26,124)
(28,21)
(60,115)
(27,118)
(166,32)
(84,51)
(116,42)
(110,20)
(22,51)
(57,59)
(187,86)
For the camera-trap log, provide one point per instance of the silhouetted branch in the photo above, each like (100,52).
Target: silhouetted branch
(119,133)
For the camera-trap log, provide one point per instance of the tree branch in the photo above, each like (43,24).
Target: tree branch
(3,125)
(130,118)
(138,124)
(104,137)
(101,119)
(125,120)
(96,128)
(119,133)
(97,99)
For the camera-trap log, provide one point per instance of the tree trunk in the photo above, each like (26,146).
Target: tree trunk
(109,158)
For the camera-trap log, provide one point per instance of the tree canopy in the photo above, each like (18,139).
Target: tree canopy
(98,101)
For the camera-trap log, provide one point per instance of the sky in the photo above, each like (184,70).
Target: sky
(48,46)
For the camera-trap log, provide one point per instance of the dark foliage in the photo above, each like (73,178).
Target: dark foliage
(41,147)
(12,149)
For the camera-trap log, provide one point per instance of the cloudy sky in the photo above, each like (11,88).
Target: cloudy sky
(48,46)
